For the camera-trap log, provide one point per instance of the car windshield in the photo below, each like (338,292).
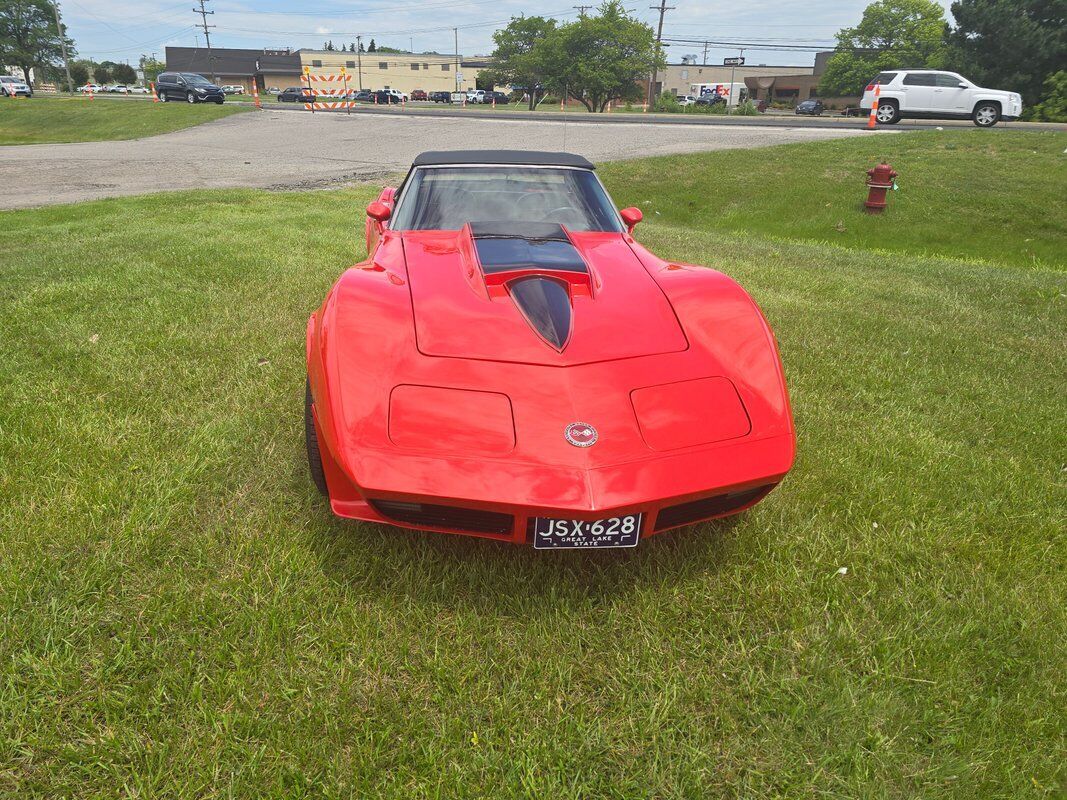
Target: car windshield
(446,198)
(196,80)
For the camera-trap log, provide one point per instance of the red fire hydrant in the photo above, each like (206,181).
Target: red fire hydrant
(879,181)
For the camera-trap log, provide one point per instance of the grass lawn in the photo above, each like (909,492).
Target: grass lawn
(43,120)
(181,616)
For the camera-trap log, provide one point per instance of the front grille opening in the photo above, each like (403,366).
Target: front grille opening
(449,517)
(696,510)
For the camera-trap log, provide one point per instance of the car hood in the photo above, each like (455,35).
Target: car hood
(541,295)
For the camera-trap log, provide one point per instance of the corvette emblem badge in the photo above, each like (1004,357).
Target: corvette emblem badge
(580,434)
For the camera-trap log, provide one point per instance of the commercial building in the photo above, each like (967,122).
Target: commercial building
(678,78)
(405,72)
(238,66)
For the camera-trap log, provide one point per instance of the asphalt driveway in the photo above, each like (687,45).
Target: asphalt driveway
(282,149)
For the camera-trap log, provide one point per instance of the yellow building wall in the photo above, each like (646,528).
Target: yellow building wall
(402,71)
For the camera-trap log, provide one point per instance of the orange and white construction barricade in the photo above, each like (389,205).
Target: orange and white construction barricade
(328,91)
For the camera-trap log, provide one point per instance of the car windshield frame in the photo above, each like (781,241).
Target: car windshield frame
(195,80)
(600,212)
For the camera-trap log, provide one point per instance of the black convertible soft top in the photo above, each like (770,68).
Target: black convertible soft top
(517,157)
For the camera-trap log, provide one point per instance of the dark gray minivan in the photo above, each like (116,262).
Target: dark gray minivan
(187,86)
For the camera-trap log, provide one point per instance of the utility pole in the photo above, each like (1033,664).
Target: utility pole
(705,61)
(207,36)
(63,44)
(662,8)
(582,10)
(455,34)
(359,60)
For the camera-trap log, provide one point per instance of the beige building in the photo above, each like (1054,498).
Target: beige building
(402,71)
(678,78)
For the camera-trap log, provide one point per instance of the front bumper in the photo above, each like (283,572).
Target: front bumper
(499,500)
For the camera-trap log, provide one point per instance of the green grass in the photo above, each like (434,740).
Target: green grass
(180,616)
(43,120)
(965,194)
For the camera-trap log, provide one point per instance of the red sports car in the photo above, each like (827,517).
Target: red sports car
(510,363)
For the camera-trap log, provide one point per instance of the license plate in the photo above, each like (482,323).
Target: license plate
(553,534)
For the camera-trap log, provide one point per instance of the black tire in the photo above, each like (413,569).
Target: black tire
(311,441)
(888,113)
(190,98)
(162,96)
(219,101)
(986,114)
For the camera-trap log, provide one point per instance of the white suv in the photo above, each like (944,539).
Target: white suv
(931,93)
(10,87)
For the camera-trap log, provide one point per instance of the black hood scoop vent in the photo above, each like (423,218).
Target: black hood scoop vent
(536,261)
(547,307)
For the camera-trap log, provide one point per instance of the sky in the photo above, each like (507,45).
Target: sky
(123,30)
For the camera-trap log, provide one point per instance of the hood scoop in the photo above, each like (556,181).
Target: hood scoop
(538,266)
(546,305)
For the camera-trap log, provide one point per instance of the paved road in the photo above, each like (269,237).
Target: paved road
(278,149)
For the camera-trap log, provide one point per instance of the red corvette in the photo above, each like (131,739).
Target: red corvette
(510,363)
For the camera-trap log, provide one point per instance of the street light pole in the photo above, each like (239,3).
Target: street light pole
(733,69)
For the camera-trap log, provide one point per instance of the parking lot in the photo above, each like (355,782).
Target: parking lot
(284,149)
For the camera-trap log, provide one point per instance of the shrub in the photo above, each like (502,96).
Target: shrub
(668,103)
(1053,105)
(746,109)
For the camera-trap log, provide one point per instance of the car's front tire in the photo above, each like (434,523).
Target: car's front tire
(190,98)
(162,96)
(311,442)
(986,115)
(888,113)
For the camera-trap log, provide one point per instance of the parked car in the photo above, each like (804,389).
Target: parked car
(232,88)
(497,97)
(504,281)
(475,95)
(136,90)
(11,86)
(401,97)
(385,97)
(687,100)
(296,94)
(95,88)
(927,93)
(459,98)
(418,94)
(710,99)
(441,97)
(363,96)
(274,90)
(811,107)
(188,86)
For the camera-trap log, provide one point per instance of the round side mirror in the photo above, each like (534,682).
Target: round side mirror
(631,216)
(379,212)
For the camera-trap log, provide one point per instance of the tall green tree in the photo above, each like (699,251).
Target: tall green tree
(372,48)
(79,74)
(1009,44)
(124,73)
(151,67)
(891,34)
(28,35)
(519,57)
(599,58)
